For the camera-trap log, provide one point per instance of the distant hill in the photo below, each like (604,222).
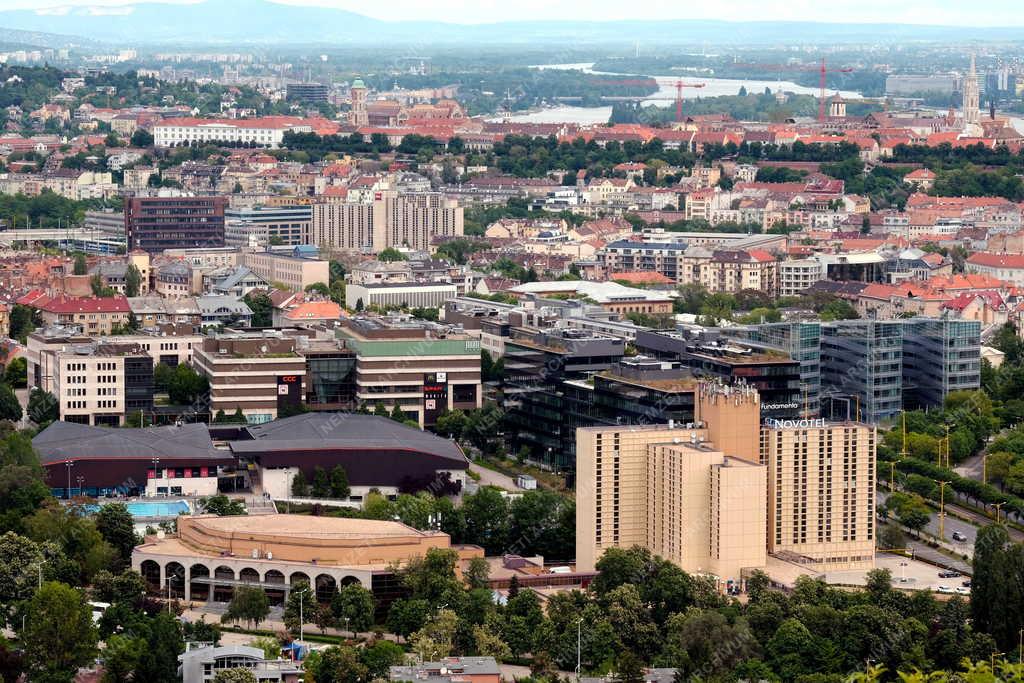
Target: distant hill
(262,21)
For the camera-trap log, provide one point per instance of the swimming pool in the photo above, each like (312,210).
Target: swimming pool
(153,509)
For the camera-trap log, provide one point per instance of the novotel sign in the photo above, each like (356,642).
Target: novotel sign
(806,423)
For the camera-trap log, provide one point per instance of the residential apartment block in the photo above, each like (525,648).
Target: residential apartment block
(293,270)
(390,219)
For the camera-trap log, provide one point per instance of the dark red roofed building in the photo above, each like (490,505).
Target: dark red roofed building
(95,315)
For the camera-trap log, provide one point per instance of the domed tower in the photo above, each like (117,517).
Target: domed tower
(837,107)
(357,94)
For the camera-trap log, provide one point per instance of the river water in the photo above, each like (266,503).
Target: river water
(664,97)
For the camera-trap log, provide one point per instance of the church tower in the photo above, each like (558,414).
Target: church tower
(971,107)
(358,115)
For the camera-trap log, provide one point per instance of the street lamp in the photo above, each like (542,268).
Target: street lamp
(942,508)
(81,489)
(156,473)
(579,638)
(69,464)
(302,620)
(998,507)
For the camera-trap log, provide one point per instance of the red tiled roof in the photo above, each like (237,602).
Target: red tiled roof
(73,304)
(990,260)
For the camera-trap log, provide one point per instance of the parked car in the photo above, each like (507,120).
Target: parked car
(966,583)
(948,574)
(960,590)
(959,537)
(945,589)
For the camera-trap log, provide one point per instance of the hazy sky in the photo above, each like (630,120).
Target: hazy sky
(948,12)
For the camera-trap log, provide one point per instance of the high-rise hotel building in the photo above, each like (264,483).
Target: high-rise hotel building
(722,494)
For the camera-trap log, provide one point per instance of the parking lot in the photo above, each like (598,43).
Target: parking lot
(906,573)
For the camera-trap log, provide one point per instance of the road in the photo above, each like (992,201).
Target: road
(489,477)
(952,524)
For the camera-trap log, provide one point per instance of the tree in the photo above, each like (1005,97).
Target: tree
(121,654)
(301,603)
(321,483)
(20,562)
(132,280)
(248,604)
(24,320)
(142,138)
(16,373)
(406,616)
(490,644)
(10,408)
(380,657)
(262,308)
(236,675)
(164,642)
(477,573)
(185,386)
(338,665)
(487,519)
(43,407)
(117,527)
(628,668)
(221,505)
(339,482)
(80,267)
(59,620)
(352,607)
(300,488)
(436,639)
(319,288)
(390,254)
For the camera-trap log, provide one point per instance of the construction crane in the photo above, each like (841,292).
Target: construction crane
(679,97)
(822,70)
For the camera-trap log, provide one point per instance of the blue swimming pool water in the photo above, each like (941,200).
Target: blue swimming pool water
(167,508)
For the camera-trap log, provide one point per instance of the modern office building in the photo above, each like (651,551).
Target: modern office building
(774,373)
(390,219)
(157,223)
(801,341)
(307,92)
(421,368)
(260,226)
(639,390)
(939,356)
(257,372)
(543,399)
(330,374)
(387,295)
(862,369)
(103,383)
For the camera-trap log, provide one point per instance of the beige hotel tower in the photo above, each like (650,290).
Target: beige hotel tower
(722,494)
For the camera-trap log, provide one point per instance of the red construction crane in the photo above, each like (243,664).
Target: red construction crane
(822,70)
(679,97)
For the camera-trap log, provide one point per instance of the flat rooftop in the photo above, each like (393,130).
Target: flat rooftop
(304,526)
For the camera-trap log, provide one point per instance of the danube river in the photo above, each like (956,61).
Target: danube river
(664,97)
